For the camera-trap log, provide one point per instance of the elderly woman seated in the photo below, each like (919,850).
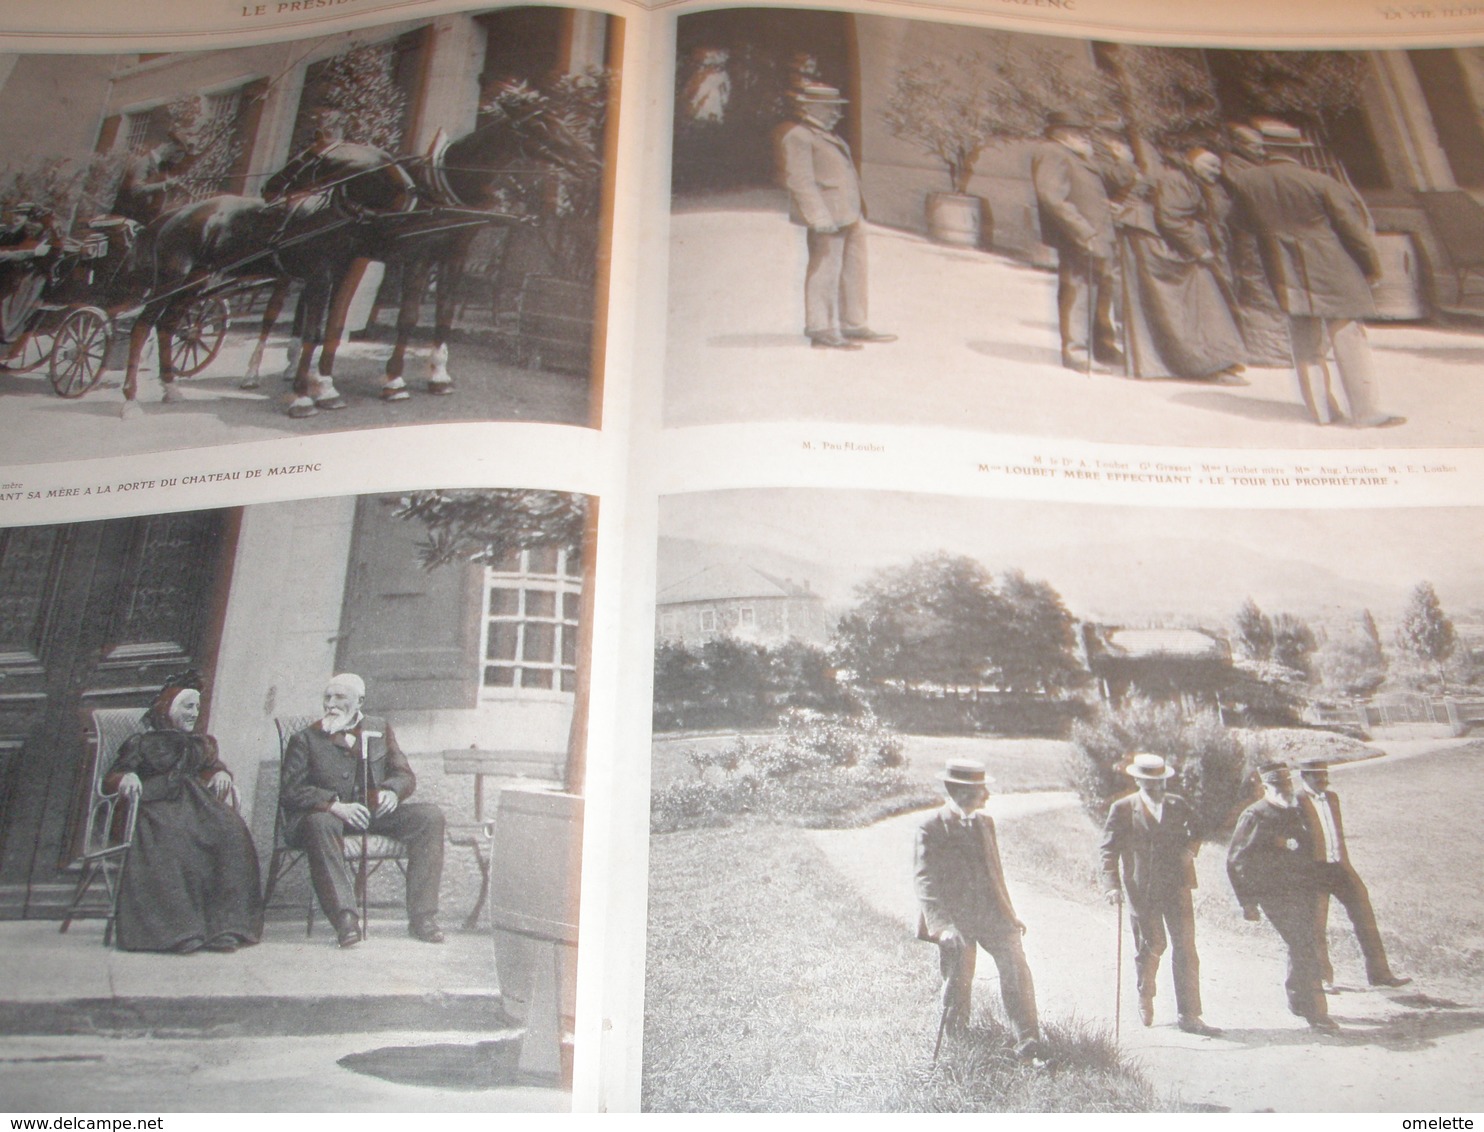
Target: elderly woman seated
(191,880)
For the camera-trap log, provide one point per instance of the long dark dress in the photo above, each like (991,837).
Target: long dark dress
(1178,322)
(191,878)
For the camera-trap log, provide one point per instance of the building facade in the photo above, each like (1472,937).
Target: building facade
(741,602)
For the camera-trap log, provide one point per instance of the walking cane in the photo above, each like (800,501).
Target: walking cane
(1118,982)
(942,1025)
(1091,308)
(366,737)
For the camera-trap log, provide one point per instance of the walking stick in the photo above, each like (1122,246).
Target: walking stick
(366,737)
(1091,318)
(942,1025)
(1118,983)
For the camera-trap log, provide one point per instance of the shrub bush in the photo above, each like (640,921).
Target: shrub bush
(1209,760)
(818,768)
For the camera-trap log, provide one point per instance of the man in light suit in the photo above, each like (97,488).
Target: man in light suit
(1271,866)
(324,801)
(1335,876)
(1320,259)
(1077,220)
(965,906)
(824,192)
(1151,835)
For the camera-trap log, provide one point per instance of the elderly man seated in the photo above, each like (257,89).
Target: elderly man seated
(325,798)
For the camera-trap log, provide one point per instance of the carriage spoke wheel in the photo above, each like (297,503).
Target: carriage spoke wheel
(199,336)
(78,352)
(30,353)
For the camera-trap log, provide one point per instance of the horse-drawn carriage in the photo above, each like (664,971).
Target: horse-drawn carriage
(56,312)
(96,299)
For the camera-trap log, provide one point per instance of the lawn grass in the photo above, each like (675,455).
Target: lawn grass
(1414,837)
(771,986)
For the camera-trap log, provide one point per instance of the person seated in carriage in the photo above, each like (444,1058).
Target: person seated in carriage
(151,182)
(28,237)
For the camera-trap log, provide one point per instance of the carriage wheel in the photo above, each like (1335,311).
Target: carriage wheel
(199,336)
(30,353)
(78,351)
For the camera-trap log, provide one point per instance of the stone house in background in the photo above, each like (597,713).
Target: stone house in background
(742,602)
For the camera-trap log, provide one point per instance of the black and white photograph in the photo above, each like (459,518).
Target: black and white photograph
(291,805)
(990,805)
(399,225)
(878,220)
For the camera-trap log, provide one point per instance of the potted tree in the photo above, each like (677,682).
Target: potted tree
(955,109)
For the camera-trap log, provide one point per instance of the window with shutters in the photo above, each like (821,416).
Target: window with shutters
(532,602)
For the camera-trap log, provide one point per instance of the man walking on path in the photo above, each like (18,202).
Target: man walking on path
(824,195)
(1335,876)
(1271,866)
(1151,835)
(1077,220)
(965,905)
(1320,259)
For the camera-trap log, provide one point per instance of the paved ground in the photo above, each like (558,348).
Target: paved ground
(40,426)
(1416,1049)
(289,1025)
(978,350)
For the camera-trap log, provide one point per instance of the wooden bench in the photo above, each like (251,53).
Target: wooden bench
(509,765)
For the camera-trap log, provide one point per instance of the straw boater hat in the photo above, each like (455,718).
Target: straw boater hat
(964,772)
(1271,769)
(1149,767)
(819,92)
(1313,763)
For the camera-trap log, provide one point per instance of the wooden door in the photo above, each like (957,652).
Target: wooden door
(91,615)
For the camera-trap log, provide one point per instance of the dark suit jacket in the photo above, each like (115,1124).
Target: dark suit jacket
(1271,856)
(1315,240)
(959,881)
(1075,214)
(1309,806)
(1157,857)
(319,769)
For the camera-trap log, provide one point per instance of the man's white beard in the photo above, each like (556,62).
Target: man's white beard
(337,721)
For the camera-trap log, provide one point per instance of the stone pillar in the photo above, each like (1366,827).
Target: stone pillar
(1408,121)
(452,61)
(280,631)
(584,40)
(275,133)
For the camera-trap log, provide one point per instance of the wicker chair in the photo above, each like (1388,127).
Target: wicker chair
(379,848)
(109,831)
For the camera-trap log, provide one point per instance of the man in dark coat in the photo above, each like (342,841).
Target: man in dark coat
(1335,876)
(324,801)
(824,196)
(150,181)
(1271,866)
(1151,835)
(1077,221)
(1317,250)
(965,905)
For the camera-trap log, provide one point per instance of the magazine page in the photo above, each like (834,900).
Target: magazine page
(1067,460)
(314,474)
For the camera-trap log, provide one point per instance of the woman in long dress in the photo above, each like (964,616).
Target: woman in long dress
(1178,317)
(191,877)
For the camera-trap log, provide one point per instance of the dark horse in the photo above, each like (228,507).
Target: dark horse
(213,244)
(462,186)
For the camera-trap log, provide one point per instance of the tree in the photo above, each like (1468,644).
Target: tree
(1163,94)
(1312,88)
(1037,649)
(1254,632)
(956,108)
(1352,662)
(931,622)
(1293,643)
(1426,634)
(485,526)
